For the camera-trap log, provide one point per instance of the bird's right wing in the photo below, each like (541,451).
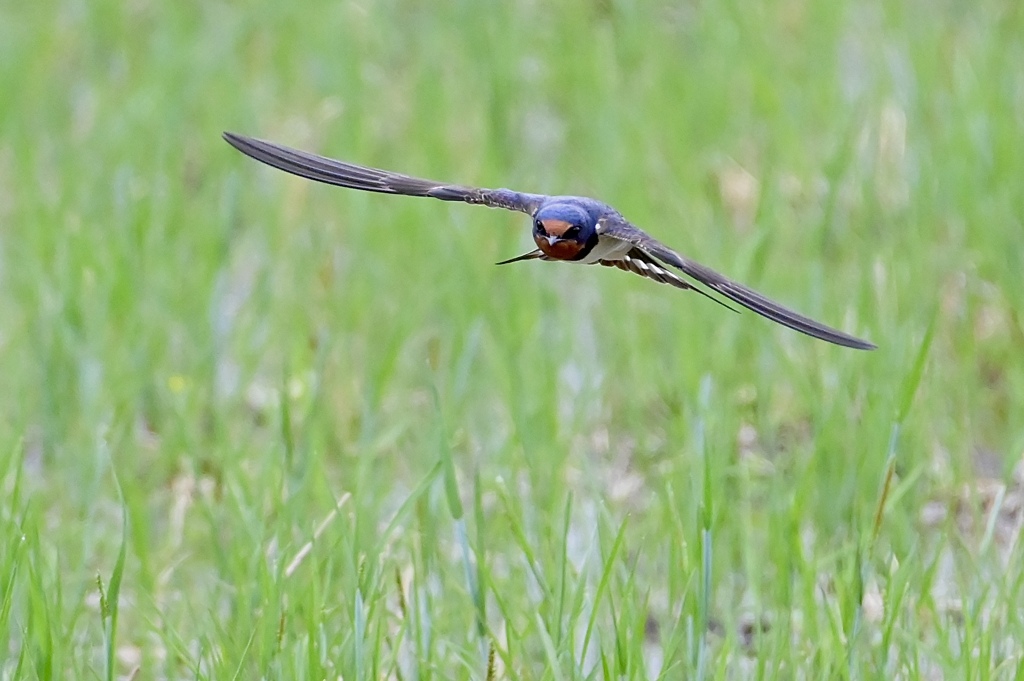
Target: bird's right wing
(352,176)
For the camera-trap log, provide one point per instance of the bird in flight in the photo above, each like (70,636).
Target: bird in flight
(568,228)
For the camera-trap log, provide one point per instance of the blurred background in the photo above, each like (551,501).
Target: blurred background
(331,439)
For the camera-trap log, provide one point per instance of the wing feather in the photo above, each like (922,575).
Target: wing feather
(352,176)
(638,262)
(618,228)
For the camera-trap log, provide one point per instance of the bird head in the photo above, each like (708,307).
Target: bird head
(564,231)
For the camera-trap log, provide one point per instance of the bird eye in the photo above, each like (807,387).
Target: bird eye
(538,226)
(572,232)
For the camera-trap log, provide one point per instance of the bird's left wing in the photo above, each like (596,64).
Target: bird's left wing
(619,228)
(352,176)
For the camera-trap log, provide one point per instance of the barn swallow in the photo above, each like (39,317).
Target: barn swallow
(572,229)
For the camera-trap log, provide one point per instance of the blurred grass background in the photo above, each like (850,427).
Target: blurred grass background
(572,472)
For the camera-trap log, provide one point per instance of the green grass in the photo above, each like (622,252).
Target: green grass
(254,427)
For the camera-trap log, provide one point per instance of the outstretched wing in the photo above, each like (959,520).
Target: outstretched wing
(341,174)
(618,228)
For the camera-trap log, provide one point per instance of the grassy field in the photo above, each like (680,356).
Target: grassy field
(254,427)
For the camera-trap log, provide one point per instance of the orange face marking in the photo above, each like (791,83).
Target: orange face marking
(560,250)
(555,227)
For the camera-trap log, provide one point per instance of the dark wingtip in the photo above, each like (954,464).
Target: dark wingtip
(837,337)
(234,139)
(863,345)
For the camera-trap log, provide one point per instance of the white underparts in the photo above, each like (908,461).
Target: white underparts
(607,248)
